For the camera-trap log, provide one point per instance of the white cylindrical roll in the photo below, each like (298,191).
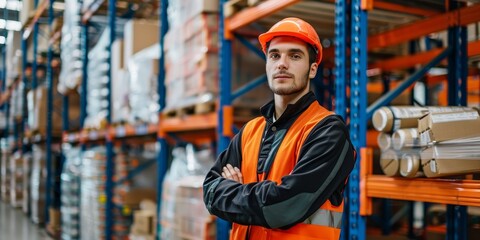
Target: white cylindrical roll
(384,141)
(390,163)
(389,119)
(405,138)
(410,165)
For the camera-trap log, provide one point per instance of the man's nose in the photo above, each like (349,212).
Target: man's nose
(282,62)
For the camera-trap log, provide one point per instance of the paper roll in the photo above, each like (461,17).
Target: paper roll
(390,163)
(410,165)
(384,141)
(405,138)
(389,119)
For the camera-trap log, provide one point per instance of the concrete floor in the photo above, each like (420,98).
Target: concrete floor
(15,225)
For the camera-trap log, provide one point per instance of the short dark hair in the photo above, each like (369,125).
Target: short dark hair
(312,53)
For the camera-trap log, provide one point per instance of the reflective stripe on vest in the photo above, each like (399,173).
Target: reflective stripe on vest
(326,218)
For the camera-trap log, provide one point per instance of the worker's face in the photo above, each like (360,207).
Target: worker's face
(288,70)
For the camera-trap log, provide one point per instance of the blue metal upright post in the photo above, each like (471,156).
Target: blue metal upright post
(340,72)
(358,114)
(341,24)
(457,96)
(225,70)
(162,158)
(50,99)
(110,165)
(83,88)
(24,93)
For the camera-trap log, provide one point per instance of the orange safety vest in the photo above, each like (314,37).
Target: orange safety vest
(321,225)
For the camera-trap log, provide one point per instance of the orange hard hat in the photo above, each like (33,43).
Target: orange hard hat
(293,27)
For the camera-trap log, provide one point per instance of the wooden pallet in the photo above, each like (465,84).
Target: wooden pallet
(198,108)
(233,6)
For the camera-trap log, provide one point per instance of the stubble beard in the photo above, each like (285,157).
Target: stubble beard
(291,89)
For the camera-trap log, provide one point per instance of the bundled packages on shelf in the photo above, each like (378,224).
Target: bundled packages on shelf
(70,188)
(453,143)
(5,175)
(16,104)
(183,213)
(92,191)
(191,49)
(71,54)
(127,194)
(37,184)
(37,111)
(142,91)
(13,56)
(27,172)
(413,139)
(16,181)
(192,62)
(97,89)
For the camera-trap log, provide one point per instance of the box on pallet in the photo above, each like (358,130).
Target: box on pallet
(37,107)
(139,34)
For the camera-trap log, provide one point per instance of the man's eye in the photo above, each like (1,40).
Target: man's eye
(274,55)
(296,56)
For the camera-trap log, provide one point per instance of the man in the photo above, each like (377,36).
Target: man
(283,175)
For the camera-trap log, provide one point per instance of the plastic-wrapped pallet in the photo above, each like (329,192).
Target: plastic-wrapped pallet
(27,172)
(175,200)
(5,175)
(70,187)
(13,56)
(16,103)
(92,190)
(16,183)
(191,59)
(71,55)
(37,184)
(143,95)
(97,91)
(191,62)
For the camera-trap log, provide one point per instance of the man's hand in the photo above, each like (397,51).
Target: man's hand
(232,173)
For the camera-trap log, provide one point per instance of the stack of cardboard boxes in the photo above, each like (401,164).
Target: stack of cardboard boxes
(424,141)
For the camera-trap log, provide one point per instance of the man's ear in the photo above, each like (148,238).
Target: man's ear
(313,70)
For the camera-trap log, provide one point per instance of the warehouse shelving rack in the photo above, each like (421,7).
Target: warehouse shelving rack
(43,11)
(351,43)
(110,135)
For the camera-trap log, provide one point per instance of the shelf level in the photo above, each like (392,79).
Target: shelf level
(444,191)
(118,132)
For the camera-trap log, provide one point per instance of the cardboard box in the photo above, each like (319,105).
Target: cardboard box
(439,127)
(139,34)
(54,218)
(445,160)
(143,222)
(37,111)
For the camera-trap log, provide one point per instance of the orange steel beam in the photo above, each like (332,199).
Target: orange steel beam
(255,13)
(366,160)
(372,137)
(404,9)
(445,191)
(188,123)
(41,7)
(404,62)
(420,28)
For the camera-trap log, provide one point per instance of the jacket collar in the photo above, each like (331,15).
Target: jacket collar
(291,111)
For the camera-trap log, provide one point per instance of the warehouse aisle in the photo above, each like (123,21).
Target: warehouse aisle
(15,225)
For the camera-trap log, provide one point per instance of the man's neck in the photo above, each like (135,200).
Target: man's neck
(282,101)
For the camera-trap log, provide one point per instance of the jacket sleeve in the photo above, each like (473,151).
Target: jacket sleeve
(325,161)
